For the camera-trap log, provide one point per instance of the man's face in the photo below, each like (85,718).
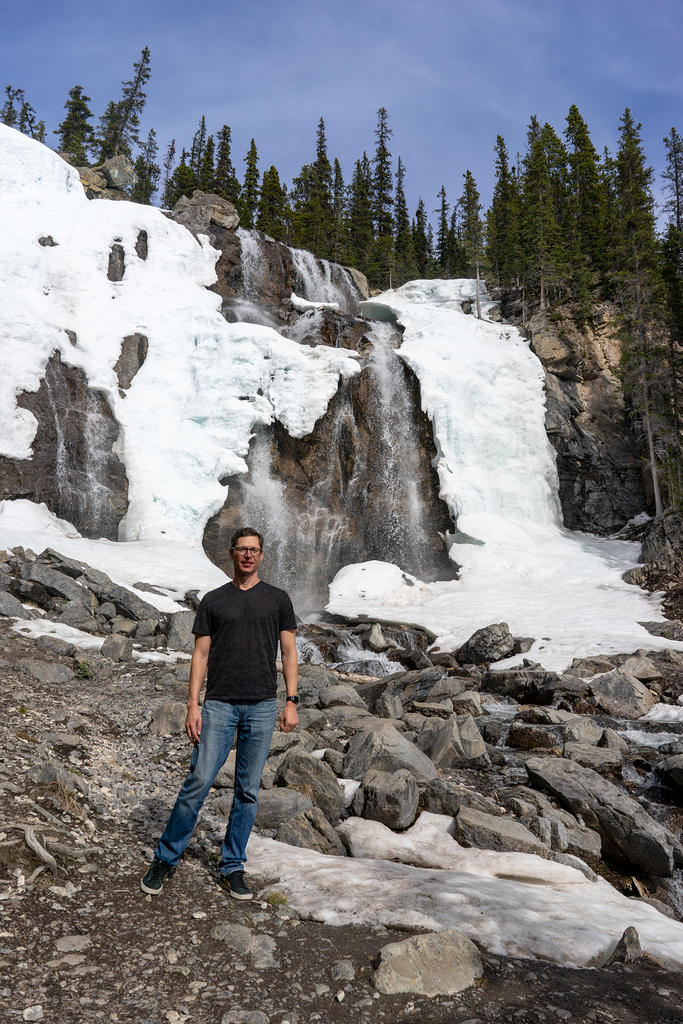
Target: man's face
(246,554)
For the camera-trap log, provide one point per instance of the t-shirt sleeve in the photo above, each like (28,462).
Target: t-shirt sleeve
(287,616)
(202,620)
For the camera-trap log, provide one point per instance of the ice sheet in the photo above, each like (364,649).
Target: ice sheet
(513,903)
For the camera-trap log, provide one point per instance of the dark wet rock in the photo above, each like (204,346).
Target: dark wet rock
(628,832)
(488,644)
(134,349)
(670,770)
(117,262)
(528,736)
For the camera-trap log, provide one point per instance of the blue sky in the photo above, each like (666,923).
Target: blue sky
(452,75)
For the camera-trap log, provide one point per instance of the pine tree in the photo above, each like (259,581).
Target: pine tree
(381,255)
(303,228)
(207,171)
(119,126)
(360,214)
(340,251)
(503,229)
(585,213)
(472,232)
(671,262)
(421,244)
(272,206)
(182,182)
(405,268)
(75,133)
(635,264)
(250,188)
(226,184)
(147,171)
(169,160)
(18,113)
(541,233)
(323,212)
(197,147)
(443,242)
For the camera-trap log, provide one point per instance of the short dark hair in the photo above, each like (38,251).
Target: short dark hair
(246,531)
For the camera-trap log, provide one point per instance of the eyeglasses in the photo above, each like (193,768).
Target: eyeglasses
(247,551)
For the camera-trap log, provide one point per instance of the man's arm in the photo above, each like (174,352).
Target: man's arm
(290,670)
(200,659)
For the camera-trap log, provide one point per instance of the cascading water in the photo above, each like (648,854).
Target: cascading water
(399,509)
(246,308)
(320,281)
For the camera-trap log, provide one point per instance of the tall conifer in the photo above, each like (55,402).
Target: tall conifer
(75,133)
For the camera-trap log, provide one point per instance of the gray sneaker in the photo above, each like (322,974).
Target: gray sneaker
(153,881)
(234,884)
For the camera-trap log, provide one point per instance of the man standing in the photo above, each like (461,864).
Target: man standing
(236,629)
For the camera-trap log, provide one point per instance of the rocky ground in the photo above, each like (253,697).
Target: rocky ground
(93,756)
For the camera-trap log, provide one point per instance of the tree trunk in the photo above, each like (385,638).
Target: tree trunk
(478,294)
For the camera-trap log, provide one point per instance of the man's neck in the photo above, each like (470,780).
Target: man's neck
(245,582)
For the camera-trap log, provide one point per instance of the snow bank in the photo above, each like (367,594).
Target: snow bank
(514,904)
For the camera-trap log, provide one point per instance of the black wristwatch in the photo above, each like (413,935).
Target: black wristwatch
(294,699)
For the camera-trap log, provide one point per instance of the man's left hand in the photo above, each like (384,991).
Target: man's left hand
(289,718)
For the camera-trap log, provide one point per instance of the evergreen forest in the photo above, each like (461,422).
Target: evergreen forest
(569,226)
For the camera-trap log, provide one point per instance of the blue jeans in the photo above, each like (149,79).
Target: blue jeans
(254,725)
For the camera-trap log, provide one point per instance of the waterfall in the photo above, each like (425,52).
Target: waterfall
(320,281)
(399,512)
(248,307)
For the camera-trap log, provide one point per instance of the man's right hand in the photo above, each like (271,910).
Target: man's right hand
(193,723)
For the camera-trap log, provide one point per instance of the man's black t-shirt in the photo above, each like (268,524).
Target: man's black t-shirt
(244,626)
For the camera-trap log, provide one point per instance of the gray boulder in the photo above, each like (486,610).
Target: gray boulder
(453,743)
(441,796)
(180,635)
(529,736)
(389,797)
(305,773)
(311,830)
(440,963)
(382,747)
(488,644)
(475,828)
(621,694)
(117,648)
(341,693)
(600,759)
(46,671)
(118,172)
(11,607)
(278,805)
(168,719)
(202,210)
(627,831)
(670,770)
